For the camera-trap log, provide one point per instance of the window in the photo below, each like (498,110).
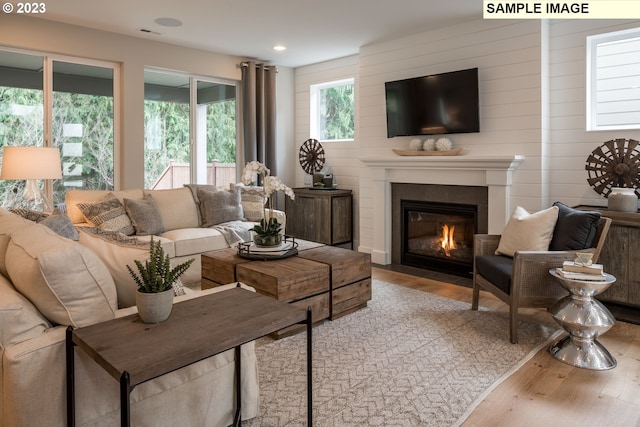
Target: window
(181,108)
(75,114)
(613,80)
(332,112)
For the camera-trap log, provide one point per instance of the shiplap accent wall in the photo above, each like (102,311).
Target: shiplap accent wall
(341,157)
(532,102)
(571,144)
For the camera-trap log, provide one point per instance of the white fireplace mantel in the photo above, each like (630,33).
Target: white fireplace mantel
(493,172)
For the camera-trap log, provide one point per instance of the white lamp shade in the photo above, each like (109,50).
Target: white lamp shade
(31,163)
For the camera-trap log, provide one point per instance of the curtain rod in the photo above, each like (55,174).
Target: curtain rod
(266,67)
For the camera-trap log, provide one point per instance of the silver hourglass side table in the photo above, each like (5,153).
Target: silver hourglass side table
(584,318)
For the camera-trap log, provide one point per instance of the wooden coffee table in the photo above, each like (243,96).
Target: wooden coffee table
(224,320)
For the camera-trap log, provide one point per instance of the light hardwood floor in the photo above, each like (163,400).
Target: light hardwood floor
(546,392)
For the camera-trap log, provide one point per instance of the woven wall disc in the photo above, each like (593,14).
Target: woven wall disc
(311,156)
(616,163)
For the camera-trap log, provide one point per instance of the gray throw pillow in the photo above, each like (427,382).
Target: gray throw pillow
(253,200)
(107,215)
(217,207)
(144,215)
(60,224)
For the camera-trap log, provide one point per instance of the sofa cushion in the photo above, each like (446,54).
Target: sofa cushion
(528,232)
(190,241)
(30,214)
(177,207)
(73,197)
(217,207)
(117,251)
(108,215)
(496,269)
(19,318)
(144,215)
(66,281)
(253,200)
(9,223)
(575,229)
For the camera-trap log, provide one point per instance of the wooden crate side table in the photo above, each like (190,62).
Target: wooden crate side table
(350,277)
(324,216)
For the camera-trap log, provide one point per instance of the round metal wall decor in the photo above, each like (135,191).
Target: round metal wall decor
(311,156)
(616,163)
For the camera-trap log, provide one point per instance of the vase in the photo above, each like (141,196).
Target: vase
(267,240)
(154,307)
(623,200)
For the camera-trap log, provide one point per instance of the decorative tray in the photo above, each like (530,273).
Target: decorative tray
(454,152)
(288,248)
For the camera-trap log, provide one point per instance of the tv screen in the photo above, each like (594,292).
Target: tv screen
(436,104)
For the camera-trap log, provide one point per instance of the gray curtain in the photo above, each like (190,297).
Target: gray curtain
(258,114)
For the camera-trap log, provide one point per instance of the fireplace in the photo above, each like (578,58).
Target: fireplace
(438,236)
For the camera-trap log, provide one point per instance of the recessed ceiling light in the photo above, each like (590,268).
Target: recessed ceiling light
(168,22)
(279,48)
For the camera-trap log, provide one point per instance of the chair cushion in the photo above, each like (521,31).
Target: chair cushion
(496,269)
(575,229)
(528,232)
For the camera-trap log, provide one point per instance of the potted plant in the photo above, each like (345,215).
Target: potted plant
(154,296)
(268,231)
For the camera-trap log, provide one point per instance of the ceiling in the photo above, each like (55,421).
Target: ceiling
(312,31)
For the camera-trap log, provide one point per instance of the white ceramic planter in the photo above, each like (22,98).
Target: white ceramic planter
(623,200)
(154,307)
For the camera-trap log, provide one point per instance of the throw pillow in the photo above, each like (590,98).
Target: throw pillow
(144,215)
(107,215)
(61,225)
(66,281)
(31,215)
(253,200)
(575,229)
(528,231)
(217,207)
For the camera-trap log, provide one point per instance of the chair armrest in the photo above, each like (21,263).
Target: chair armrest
(485,244)
(530,275)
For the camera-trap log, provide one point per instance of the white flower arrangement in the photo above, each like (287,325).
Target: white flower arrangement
(269,225)
(415,144)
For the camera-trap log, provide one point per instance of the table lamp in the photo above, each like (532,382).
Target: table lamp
(32,164)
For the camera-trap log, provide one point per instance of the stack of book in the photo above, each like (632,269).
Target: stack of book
(577,271)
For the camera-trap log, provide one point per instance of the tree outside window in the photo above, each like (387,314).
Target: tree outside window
(332,110)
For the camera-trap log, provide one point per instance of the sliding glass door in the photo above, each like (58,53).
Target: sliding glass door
(190,130)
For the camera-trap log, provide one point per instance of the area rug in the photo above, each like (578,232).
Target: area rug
(410,358)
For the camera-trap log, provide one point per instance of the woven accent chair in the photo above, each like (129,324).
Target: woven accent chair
(525,280)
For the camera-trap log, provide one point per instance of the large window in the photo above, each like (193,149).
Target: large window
(180,109)
(613,80)
(332,112)
(47,100)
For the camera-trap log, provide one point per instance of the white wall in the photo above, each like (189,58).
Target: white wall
(134,54)
(341,157)
(532,94)
(571,144)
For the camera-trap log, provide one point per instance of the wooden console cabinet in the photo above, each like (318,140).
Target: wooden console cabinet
(621,256)
(324,216)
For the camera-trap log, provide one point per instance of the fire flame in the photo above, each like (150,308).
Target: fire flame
(446,241)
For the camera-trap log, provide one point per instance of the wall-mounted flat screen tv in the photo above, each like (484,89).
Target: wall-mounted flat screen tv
(431,105)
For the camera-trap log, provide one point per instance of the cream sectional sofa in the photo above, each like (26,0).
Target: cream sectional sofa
(48,282)
(184,236)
